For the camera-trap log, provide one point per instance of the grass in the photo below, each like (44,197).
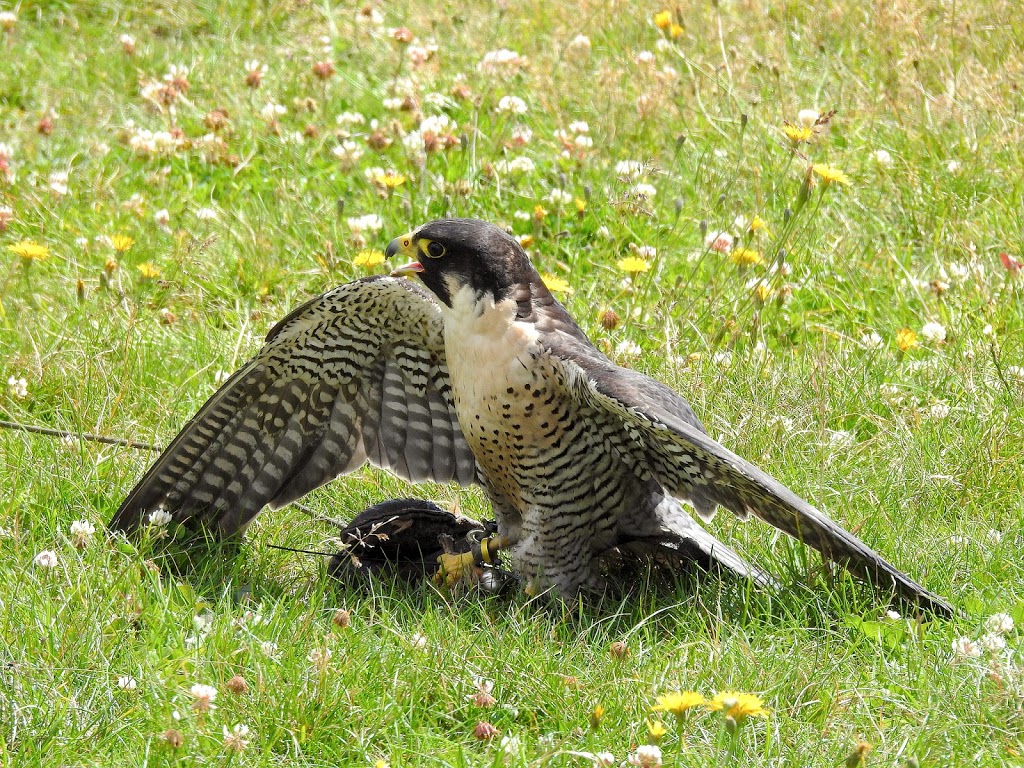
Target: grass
(919,449)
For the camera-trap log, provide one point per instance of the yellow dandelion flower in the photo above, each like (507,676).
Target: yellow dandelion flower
(581,205)
(906,339)
(745,257)
(634,265)
(757,224)
(149,271)
(656,730)
(830,175)
(526,240)
(389,179)
(368,259)
(29,250)
(539,213)
(121,243)
(596,716)
(679,702)
(738,706)
(556,284)
(763,292)
(675,31)
(663,19)
(797,133)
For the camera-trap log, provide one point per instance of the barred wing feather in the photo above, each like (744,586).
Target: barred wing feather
(355,375)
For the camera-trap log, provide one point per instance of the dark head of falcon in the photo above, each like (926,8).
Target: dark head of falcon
(451,253)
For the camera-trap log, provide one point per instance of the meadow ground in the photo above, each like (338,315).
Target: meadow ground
(840,295)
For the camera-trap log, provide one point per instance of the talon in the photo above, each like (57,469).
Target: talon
(453,567)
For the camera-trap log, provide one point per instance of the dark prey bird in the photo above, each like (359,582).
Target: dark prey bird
(481,378)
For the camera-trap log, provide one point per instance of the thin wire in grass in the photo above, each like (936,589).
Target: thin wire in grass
(87,436)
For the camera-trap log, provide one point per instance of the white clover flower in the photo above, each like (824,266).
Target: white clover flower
(501,60)
(439,125)
(992,642)
(882,157)
(644,251)
(18,387)
(206,214)
(269,648)
(45,559)
(999,623)
(583,142)
(646,756)
(559,197)
(872,341)
(58,183)
(81,531)
(368,16)
(515,166)
(643,191)
(127,683)
(162,217)
(628,349)
(965,648)
(235,740)
(892,616)
(204,696)
(807,117)
(350,118)
(604,760)
(418,641)
(348,152)
(7,20)
(938,411)
(994,536)
(511,105)
(644,58)
(841,438)
(578,47)
(579,126)
(933,332)
(722,359)
(953,166)
(522,215)
(271,111)
(320,658)
(160,518)
(630,169)
(719,241)
(371,222)
(521,135)
(604,233)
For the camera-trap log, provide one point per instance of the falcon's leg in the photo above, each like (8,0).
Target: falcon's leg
(557,559)
(453,567)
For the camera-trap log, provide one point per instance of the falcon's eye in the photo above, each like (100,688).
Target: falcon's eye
(435,250)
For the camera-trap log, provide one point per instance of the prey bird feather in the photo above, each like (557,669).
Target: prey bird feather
(479,376)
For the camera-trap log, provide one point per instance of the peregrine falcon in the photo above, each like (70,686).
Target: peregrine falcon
(482,377)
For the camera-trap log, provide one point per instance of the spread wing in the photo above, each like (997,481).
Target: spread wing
(655,432)
(355,375)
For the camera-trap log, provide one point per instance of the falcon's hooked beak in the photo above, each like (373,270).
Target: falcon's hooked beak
(404,245)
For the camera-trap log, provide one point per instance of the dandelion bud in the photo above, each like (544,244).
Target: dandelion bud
(340,206)
(731,726)
(610,321)
(680,140)
(464,142)
(678,205)
(173,738)
(913,762)
(787,215)
(80,290)
(703,227)
(237,685)
(743,121)
(587,192)
(721,200)
(563,180)
(104,281)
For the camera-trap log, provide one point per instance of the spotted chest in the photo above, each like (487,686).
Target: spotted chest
(502,386)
